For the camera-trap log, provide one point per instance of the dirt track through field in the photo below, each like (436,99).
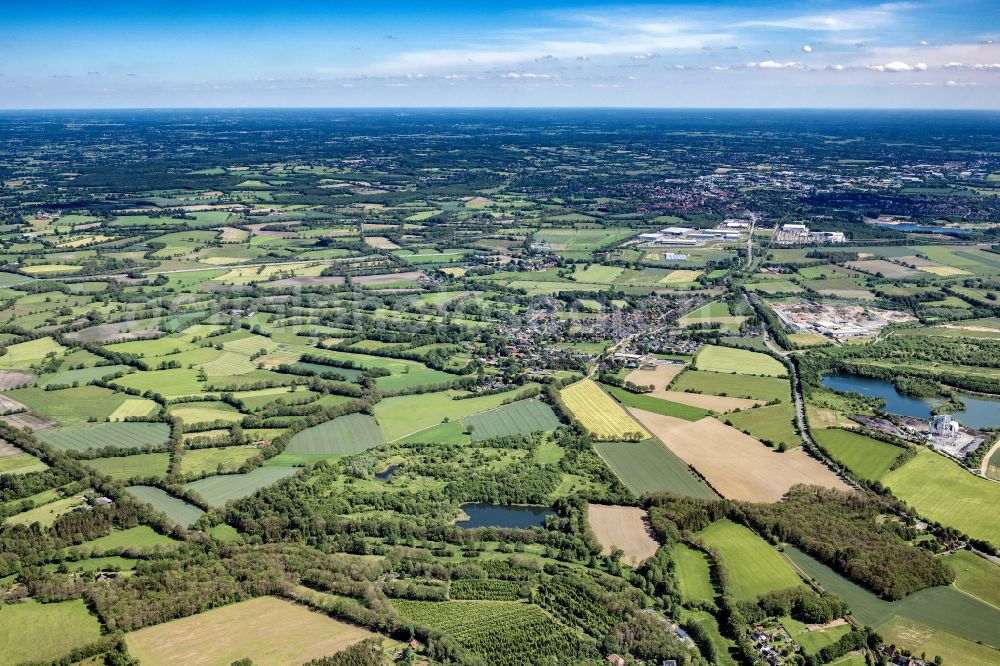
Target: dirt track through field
(737,465)
(622,527)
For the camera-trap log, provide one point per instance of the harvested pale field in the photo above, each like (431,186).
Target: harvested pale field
(266,630)
(387,277)
(622,527)
(886,268)
(660,376)
(11,406)
(32,422)
(737,465)
(259,230)
(232,235)
(715,403)
(12,379)
(380,243)
(306,281)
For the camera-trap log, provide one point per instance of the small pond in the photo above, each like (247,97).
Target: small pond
(499,515)
(387,472)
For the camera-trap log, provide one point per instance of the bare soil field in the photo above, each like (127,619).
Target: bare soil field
(386,277)
(622,527)
(258,230)
(715,403)
(302,281)
(660,376)
(123,330)
(737,465)
(12,379)
(33,422)
(11,406)
(380,243)
(7,449)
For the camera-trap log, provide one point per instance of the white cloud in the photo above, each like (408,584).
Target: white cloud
(772,64)
(807,48)
(850,19)
(894,67)
(526,75)
(645,56)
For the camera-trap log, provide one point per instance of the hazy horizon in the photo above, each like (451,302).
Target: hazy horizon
(743,54)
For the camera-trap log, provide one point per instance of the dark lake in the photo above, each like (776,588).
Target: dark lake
(498,515)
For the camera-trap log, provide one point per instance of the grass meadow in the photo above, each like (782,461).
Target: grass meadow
(648,467)
(867,458)
(754,567)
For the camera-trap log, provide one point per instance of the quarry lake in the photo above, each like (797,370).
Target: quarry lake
(498,515)
(979,412)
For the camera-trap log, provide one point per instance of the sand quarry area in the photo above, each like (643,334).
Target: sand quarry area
(737,465)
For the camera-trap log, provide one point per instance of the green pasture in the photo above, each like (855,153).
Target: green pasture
(771,424)
(648,467)
(518,418)
(122,468)
(176,509)
(754,567)
(99,435)
(713,358)
(348,434)
(867,458)
(941,490)
(219,489)
(406,414)
(693,574)
(34,632)
(734,386)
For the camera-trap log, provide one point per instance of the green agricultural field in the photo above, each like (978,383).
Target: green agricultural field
(169,383)
(81,376)
(976,575)
(452,432)
(519,418)
(174,508)
(217,490)
(941,490)
(45,514)
(21,463)
(772,424)
(140,536)
(945,607)
(505,632)
(349,434)
(725,647)
(734,386)
(867,458)
(595,273)
(813,641)
(713,309)
(712,358)
(657,405)
(648,467)
(923,639)
(222,459)
(101,435)
(22,355)
(72,406)
(204,412)
(754,567)
(133,407)
(122,468)
(693,574)
(34,632)
(405,415)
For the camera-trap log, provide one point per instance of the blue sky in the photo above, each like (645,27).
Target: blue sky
(103,54)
